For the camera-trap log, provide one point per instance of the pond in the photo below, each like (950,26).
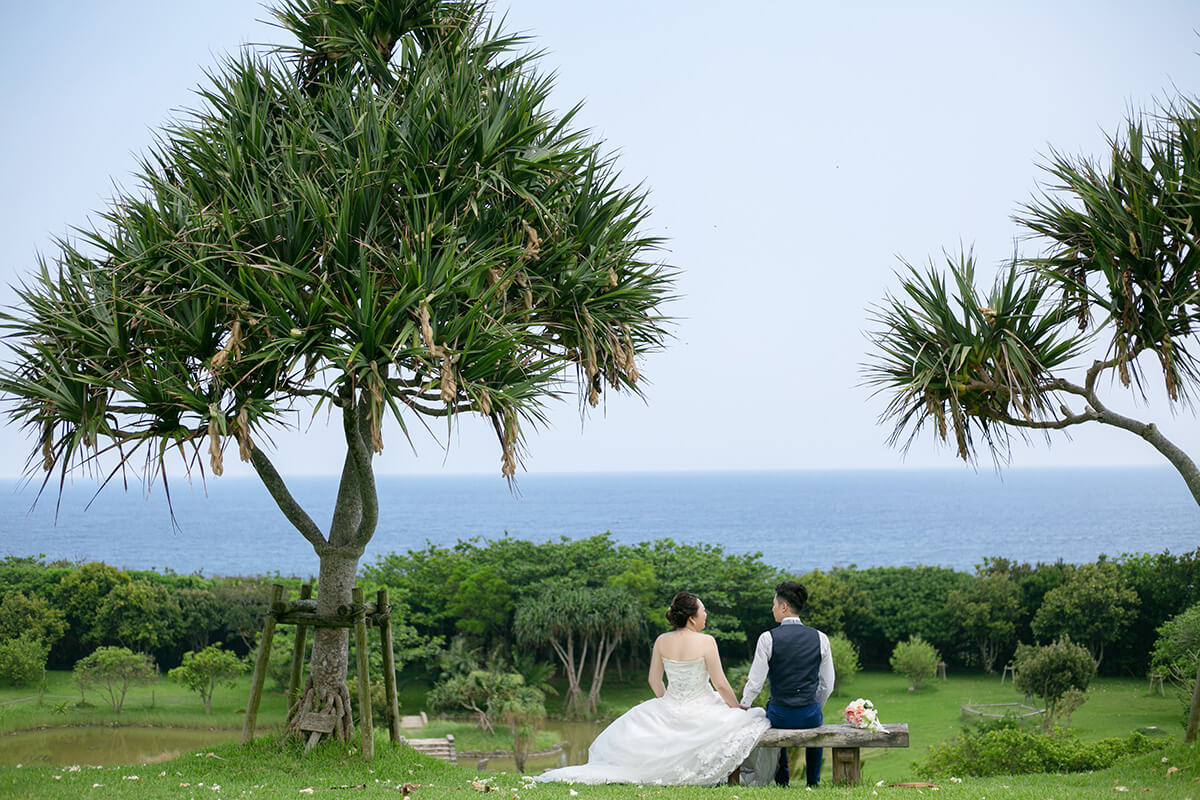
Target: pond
(576,735)
(102,745)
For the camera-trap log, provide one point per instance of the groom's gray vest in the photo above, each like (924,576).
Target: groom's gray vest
(795,665)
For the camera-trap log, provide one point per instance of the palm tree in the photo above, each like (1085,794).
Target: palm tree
(384,219)
(1120,268)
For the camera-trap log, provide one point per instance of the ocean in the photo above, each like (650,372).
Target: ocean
(797,520)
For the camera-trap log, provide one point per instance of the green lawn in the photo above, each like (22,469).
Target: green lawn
(164,703)
(1115,708)
(269,770)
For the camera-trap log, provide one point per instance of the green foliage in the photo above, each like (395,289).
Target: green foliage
(22,659)
(1015,751)
(986,611)
(203,671)
(136,614)
(1166,585)
(30,616)
(964,362)
(899,602)
(81,592)
(113,670)
(1177,652)
(480,691)
(845,661)
(1094,606)
(199,616)
(916,660)
(522,709)
(1050,671)
(479,600)
(833,597)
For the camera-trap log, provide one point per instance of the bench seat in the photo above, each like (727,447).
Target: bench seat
(844,740)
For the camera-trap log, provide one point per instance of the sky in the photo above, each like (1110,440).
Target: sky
(794,152)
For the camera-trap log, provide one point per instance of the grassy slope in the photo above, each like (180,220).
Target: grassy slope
(268,770)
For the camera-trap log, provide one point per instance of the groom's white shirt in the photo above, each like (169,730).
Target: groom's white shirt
(762,657)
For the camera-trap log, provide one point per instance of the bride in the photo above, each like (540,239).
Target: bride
(688,733)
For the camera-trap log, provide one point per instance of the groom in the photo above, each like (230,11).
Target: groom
(798,662)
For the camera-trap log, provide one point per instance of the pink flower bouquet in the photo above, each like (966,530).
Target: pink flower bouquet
(861,714)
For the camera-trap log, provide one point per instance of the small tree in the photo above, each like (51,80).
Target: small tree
(845,661)
(114,670)
(22,659)
(1051,671)
(574,621)
(479,691)
(522,710)
(916,660)
(1093,606)
(986,612)
(1177,650)
(203,671)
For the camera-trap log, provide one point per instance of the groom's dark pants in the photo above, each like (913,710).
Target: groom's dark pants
(799,717)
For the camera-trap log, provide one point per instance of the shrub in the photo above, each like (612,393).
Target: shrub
(1014,751)
(1177,651)
(114,670)
(202,671)
(22,659)
(845,661)
(1050,672)
(916,660)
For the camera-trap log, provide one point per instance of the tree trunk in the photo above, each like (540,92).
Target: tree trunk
(1194,712)
(355,515)
(331,646)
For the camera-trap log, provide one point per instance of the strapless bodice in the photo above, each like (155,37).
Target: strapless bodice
(686,679)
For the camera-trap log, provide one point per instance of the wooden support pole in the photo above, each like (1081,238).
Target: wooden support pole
(295,685)
(365,723)
(389,666)
(260,668)
(846,766)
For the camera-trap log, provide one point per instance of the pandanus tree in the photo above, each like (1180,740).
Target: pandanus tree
(1119,271)
(384,220)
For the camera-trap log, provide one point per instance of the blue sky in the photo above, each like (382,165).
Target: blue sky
(792,151)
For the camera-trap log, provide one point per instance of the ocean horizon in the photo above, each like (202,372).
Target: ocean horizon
(798,520)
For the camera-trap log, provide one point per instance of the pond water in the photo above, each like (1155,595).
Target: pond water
(105,745)
(577,735)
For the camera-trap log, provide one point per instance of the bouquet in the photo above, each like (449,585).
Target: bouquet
(861,714)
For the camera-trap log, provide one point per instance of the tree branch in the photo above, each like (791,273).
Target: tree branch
(361,455)
(283,498)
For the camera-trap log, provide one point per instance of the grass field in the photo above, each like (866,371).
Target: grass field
(1115,708)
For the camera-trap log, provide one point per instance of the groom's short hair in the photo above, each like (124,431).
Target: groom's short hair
(792,593)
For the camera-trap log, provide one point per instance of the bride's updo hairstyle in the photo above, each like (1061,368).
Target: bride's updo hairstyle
(794,594)
(683,607)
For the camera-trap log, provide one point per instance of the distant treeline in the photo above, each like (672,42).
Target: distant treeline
(474,590)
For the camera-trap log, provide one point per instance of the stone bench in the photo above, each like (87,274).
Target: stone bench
(844,740)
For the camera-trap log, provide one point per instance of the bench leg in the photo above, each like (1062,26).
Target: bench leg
(846,767)
(735,777)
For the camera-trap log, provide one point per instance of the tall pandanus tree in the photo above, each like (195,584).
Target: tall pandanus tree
(385,220)
(1119,270)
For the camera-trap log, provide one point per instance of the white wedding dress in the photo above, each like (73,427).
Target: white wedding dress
(687,736)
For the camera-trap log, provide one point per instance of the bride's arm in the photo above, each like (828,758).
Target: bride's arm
(712,658)
(655,678)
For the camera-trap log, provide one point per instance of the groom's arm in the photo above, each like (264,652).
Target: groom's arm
(758,669)
(825,677)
